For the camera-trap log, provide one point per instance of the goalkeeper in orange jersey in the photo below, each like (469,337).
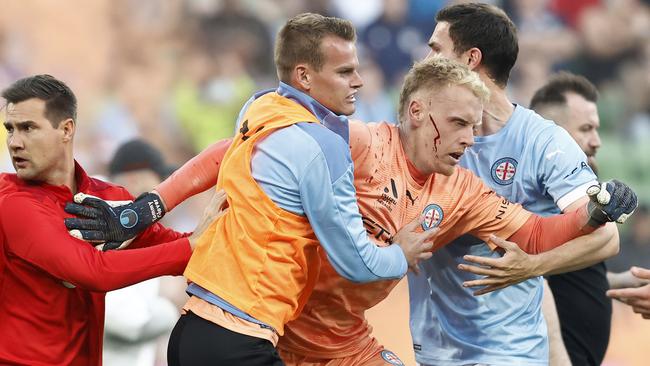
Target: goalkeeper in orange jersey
(401,173)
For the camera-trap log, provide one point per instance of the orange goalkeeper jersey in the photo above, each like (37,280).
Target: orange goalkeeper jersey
(392,193)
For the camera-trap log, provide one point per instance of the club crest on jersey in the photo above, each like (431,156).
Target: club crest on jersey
(504,170)
(391,358)
(432,216)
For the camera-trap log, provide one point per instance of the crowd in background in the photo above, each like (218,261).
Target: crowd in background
(176,73)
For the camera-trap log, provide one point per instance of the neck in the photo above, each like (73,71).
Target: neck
(64,174)
(497,110)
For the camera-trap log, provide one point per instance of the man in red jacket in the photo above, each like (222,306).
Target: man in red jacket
(52,285)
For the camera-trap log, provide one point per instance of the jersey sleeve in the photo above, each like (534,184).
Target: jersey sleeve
(329,201)
(485,212)
(37,235)
(563,170)
(155,235)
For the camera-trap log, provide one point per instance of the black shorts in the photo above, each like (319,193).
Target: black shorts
(196,341)
(585,313)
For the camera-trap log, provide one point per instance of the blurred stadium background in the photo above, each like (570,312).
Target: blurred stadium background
(176,72)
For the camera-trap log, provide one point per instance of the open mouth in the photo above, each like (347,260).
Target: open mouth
(19,161)
(456,156)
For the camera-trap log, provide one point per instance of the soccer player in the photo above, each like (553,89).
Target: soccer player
(584,311)
(528,160)
(402,173)
(288,178)
(52,286)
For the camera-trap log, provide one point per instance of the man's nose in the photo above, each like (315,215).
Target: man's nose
(595,141)
(357,81)
(468,137)
(15,142)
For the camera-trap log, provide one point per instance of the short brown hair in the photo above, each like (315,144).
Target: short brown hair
(555,90)
(436,72)
(60,101)
(300,38)
(487,28)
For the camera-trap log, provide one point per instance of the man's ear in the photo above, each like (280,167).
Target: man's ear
(416,112)
(474,58)
(68,127)
(301,77)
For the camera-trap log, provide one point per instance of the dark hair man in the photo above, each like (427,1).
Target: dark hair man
(53,285)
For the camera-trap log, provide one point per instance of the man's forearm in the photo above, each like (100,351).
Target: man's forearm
(541,234)
(580,252)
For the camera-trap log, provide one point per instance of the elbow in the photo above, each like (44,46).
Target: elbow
(612,247)
(612,250)
(609,239)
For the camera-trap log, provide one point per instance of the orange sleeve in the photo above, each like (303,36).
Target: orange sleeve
(471,207)
(483,211)
(541,234)
(195,176)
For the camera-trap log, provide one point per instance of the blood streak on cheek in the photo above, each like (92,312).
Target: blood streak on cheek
(436,140)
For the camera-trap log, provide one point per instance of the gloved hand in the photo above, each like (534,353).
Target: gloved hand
(113,222)
(610,201)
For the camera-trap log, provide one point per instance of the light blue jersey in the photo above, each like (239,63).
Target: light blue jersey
(530,161)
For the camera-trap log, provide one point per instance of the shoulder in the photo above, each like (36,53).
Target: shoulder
(326,140)
(8,183)
(532,123)
(332,149)
(465,180)
(540,131)
(13,191)
(539,124)
(300,149)
(359,134)
(306,141)
(364,136)
(23,203)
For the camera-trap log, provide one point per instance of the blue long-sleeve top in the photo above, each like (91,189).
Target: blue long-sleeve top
(307,170)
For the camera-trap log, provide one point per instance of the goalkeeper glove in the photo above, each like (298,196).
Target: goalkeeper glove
(610,201)
(113,222)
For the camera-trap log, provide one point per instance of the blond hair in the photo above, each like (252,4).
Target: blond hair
(300,39)
(436,72)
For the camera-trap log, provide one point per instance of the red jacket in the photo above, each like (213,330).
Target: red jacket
(43,322)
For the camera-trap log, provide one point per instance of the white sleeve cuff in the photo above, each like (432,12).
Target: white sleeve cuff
(574,195)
